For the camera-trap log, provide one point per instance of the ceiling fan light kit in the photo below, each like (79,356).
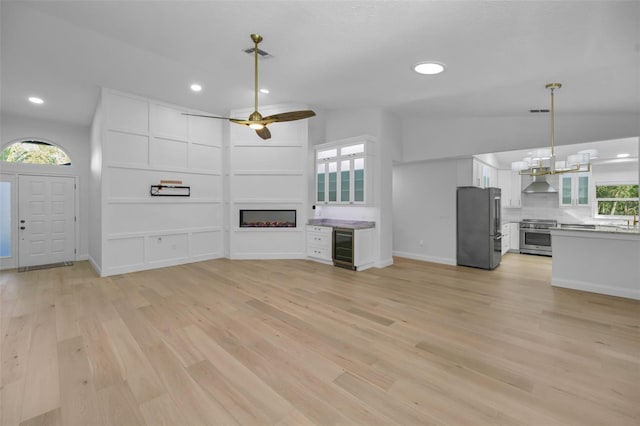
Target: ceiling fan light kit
(256,121)
(543,161)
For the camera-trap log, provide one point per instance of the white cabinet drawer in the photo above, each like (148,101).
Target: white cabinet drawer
(318,240)
(319,253)
(325,230)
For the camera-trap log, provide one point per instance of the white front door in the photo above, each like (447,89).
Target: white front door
(46,220)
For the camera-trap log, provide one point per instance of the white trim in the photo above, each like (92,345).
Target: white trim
(94,265)
(384,263)
(425,258)
(161,233)
(163,200)
(269,256)
(596,288)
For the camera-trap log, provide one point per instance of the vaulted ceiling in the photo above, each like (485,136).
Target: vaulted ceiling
(326,54)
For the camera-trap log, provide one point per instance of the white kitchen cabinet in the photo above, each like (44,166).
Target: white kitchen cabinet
(484,175)
(506,237)
(363,248)
(320,242)
(575,189)
(514,237)
(343,172)
(511,185)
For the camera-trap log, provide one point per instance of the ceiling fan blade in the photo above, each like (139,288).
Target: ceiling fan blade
(288,116)
(264,133)
(209,116)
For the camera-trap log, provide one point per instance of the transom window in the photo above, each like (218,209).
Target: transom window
(617,200)
(35,152)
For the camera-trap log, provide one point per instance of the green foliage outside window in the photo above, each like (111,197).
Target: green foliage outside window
(35,152)
(617,200)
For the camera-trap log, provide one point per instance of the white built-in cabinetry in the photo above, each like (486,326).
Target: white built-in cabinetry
(136,143)
(506,239)
(320,242)
(510,237)
(514,237)
(363,248)
(484,175)
(343,172)
(575,189)
(511,185)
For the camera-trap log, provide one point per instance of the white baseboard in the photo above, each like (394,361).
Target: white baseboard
(384,263)
(267,256)
(94,265)
(596,288)
(416,256)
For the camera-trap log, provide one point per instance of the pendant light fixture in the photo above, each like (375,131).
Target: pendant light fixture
(543,161)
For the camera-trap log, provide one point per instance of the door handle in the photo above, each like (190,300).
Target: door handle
(23,227)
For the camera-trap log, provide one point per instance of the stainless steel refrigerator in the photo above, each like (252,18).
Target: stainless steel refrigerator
(478,227)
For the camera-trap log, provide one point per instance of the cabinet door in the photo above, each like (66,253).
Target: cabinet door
(332,181)
(321,183)
(345,181)
(516,190)
(566,190)
(358,180)
(514,234)
(582,189)
(504,182)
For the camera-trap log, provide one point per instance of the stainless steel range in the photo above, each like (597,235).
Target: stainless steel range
(535,236)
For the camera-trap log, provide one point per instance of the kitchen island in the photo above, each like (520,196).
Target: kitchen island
(600,259)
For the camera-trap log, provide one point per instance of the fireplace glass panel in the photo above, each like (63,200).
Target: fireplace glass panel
(267,218)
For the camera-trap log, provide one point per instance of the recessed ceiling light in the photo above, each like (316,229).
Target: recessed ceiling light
(35,100)
(428,68)
(625,155)
(265,91)
(196,87)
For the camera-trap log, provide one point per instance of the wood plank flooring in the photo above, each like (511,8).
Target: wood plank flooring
(295,342)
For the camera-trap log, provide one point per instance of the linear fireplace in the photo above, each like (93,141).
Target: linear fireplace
(267,218)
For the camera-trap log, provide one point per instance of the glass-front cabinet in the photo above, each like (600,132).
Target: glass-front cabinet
(340,174)
(575,189)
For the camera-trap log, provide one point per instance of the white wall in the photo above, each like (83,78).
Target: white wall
(386,131)
(453,137)
(143,142)
(424,208)
(95,186)
(268,175)
(74,140)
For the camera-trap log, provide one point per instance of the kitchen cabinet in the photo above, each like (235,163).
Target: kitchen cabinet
(575,189)
(320,242)
(484,176)
(343,172)
(506,238)
(510,238)
(514,237)
(363,255)
(511,185)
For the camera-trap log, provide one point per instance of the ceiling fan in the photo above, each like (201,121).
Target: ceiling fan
(256,121)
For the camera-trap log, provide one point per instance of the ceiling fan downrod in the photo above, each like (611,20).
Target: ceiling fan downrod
(255,116)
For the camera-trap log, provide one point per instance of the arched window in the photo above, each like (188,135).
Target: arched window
(35,152)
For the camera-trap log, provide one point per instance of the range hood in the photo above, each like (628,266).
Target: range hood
(539,186)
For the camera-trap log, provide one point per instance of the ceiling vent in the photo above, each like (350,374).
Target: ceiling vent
(261,53)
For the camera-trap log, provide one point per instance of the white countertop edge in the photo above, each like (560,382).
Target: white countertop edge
(595,233)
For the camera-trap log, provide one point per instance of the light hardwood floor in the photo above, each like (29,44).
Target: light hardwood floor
(296,342)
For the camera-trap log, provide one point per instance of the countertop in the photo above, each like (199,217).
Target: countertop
(597,228)
(342,223)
